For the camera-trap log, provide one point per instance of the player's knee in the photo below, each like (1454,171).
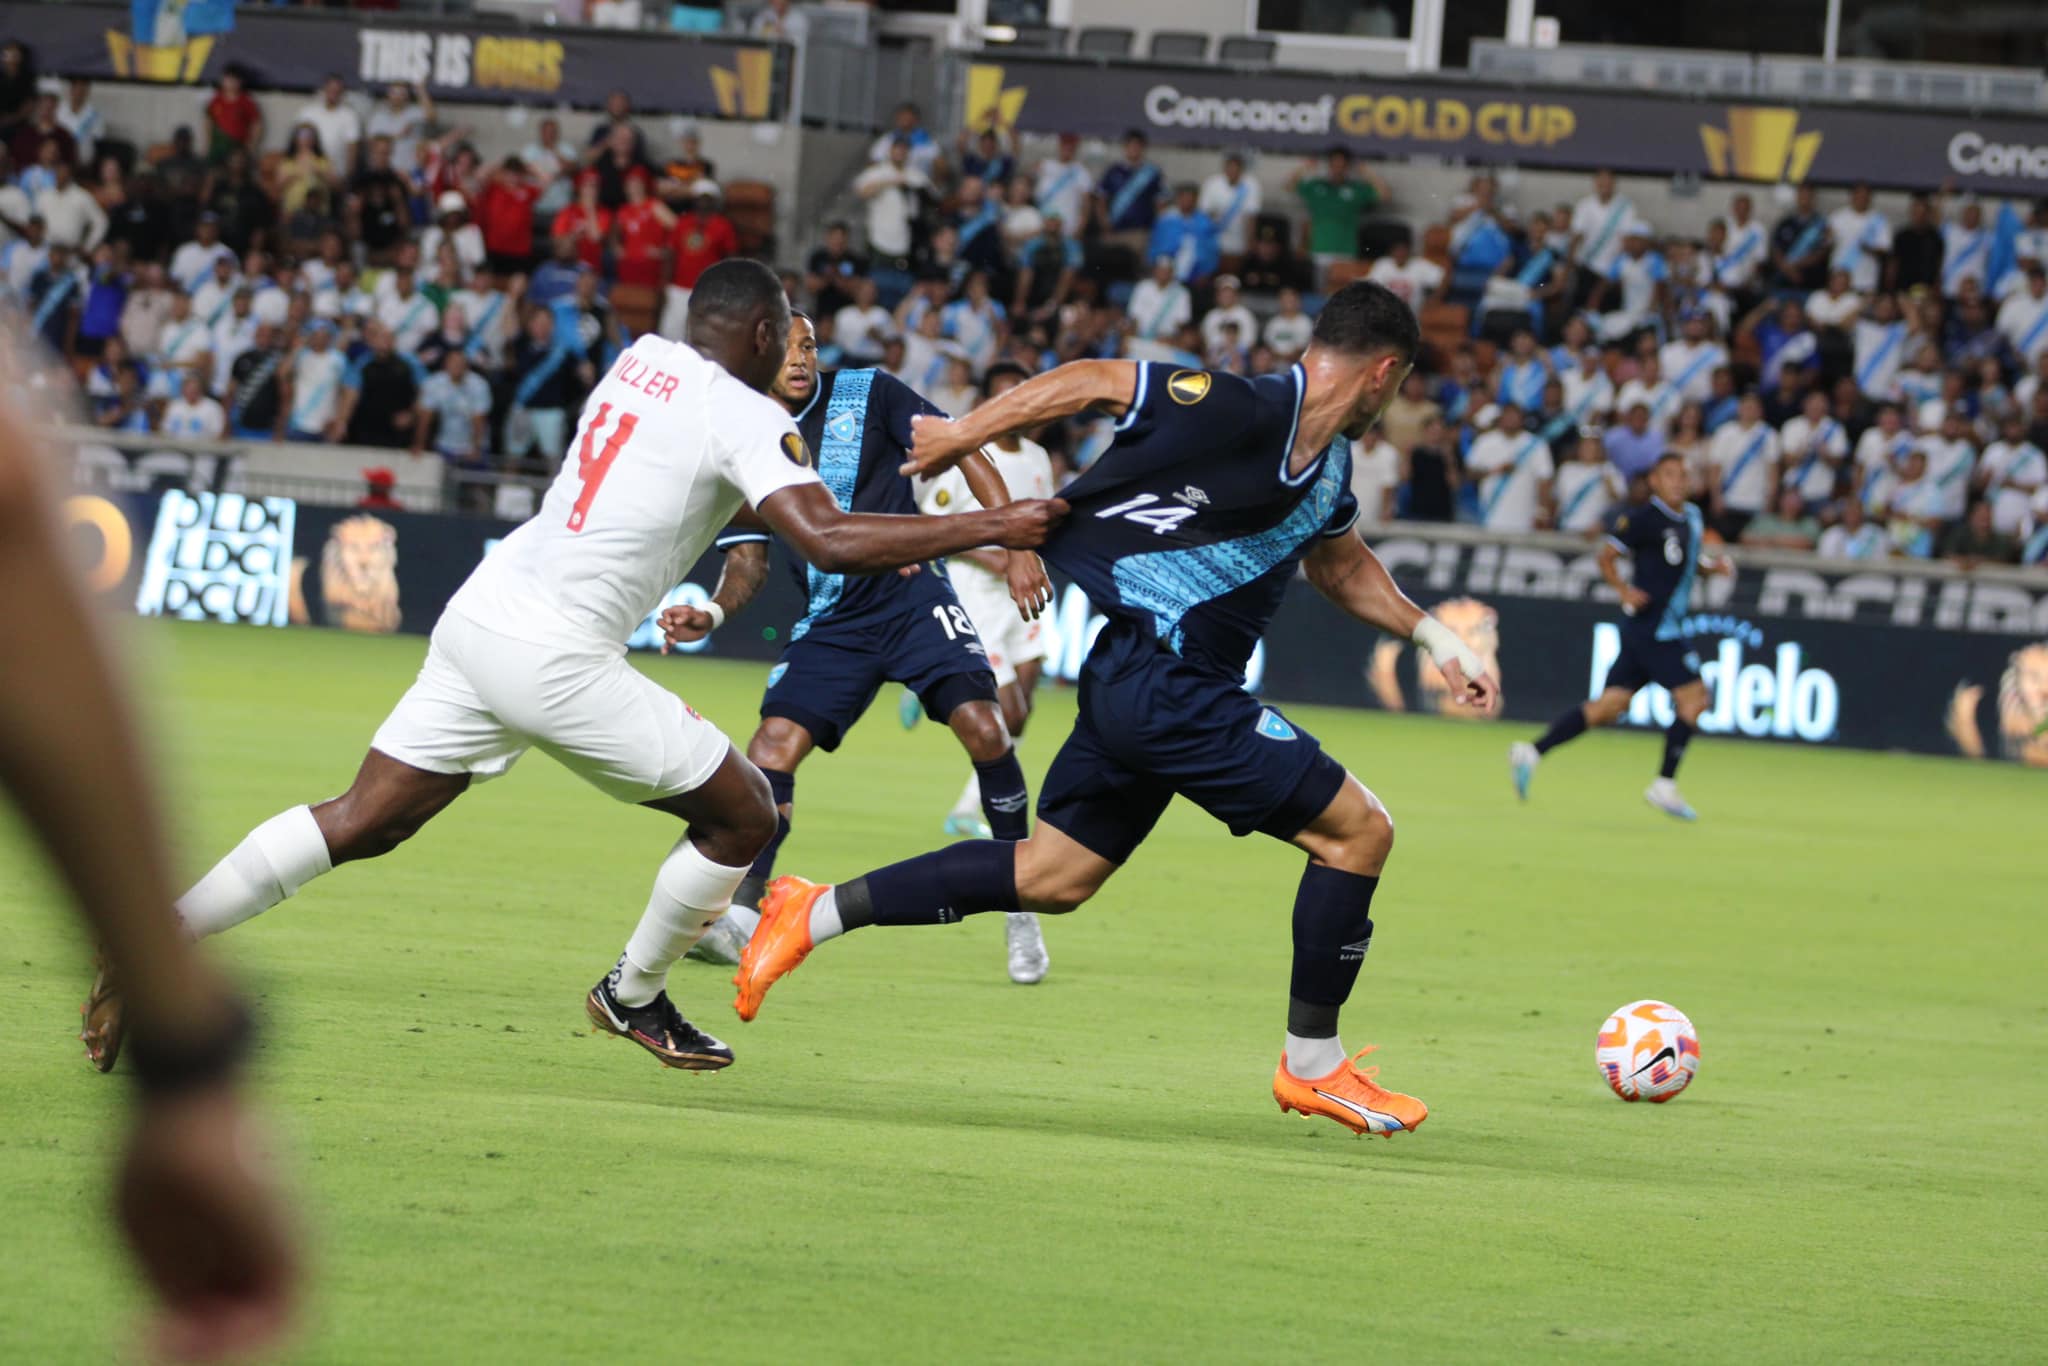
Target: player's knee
(1045,887)
(778,744)
(744,824)
(981,730)
(353,833)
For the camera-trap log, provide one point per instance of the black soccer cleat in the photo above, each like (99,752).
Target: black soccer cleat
(657,1027)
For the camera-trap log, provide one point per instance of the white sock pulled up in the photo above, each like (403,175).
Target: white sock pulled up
(690,891)
(276,859)
(1312,1058)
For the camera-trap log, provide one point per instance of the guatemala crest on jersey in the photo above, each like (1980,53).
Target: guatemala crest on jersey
(793,446)
(845,427)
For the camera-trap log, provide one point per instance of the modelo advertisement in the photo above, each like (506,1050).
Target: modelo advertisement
(1873,659)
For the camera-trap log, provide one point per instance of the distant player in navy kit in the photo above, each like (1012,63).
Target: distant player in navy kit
(1663,538)
(859,633)
(1186,533)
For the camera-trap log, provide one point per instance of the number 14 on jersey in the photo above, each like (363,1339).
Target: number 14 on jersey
(1141,510)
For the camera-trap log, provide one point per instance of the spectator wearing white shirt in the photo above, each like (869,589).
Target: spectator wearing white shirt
(1515,469)
(1654,392)
(1881,341)
(1743,459)
(454,406)
(1598,225)
(192,264)
(1951,465)
(892,188)
(976,323)
(1414,280)
(71,216)
(1915,512)
(1375,475)
(1880,453)
(1854,537)
(1690,361)
(184,339)
(1633,293)
(1160,305)
(194,412)
(1229,309)
(337,123)
(2031,384)
(2011,473)
(1587,485)
(1966,248)
(210,302)
(1289,331)
(1862,240)
(402,119)
(453,226)
(1022,219)
(1588,390)
(233,334)
(410,314)
(1063,185)
(77,116)
(1837,306)
(1232,200)
(907,129)
(863,325)
(780,19)
(1744,250)
(2023,319)
(1812,447)
(313,383)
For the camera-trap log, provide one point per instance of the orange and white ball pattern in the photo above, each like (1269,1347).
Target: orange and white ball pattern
(1648,1050)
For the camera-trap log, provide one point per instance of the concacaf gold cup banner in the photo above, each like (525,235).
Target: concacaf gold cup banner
(1306,113)
(297,49)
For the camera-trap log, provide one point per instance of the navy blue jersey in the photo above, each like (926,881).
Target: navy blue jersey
(1187,530)
(1665,545)
(858,423)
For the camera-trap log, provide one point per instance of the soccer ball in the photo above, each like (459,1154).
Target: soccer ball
(1648,1050)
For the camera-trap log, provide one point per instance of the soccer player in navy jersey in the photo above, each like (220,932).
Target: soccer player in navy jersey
(860,632)
(1185,533)
(1662,540)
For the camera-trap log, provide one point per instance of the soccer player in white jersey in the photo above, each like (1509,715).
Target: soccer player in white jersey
(530,651)
(1015,652)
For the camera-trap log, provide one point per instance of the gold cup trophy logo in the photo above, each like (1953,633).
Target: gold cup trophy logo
(746,88)
(990,104)
(1760,144)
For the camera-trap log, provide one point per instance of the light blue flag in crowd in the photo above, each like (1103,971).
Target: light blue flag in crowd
(168,23)
(2005,236)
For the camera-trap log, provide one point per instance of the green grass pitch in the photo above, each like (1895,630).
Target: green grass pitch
(914,1160)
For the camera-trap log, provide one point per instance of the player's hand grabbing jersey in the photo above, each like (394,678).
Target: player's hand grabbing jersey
(668,447)
(1187,530)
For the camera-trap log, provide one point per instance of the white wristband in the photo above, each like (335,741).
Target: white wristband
(1445,645)
(716,613)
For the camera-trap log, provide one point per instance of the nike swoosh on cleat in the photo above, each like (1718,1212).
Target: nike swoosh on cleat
(1368,1115)
(1666,1056)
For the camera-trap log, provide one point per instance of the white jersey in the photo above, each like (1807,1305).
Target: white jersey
(1027,473)
(669,446)
(1742,458)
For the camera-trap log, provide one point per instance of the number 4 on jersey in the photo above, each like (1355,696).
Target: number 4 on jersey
(592,468)
(1139,510)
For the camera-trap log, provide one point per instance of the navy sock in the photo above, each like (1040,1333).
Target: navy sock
(1332,931)
(1566,727)
(1675,738)
(1004,800)
(782,786)
(933,889)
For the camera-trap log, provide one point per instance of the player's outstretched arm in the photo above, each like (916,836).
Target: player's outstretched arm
(1108,386)
(841,542)
(199,1210)
(1344,570)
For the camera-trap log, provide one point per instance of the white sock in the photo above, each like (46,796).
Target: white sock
(1312,1058)
(825,917)
(690,891)
(745,919)
(276,859)
(969,805)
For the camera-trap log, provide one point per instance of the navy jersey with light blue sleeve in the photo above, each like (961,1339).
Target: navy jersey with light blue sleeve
(1664,545)
(1187,530)
(1185,533)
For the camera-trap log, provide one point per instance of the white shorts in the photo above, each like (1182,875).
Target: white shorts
(483,699)
(1009,639)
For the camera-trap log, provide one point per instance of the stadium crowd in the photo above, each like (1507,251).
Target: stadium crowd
(1834,380)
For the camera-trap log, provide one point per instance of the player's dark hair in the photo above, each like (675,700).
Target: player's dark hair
(735,290)
(1002,369)
(1363,316)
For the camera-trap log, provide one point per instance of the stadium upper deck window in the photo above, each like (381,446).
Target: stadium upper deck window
(1345,18)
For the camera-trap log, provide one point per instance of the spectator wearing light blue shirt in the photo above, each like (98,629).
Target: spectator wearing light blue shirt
(454,405)
(1188,236)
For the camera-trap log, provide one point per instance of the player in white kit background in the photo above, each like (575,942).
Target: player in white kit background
(530,652)
(1015,650)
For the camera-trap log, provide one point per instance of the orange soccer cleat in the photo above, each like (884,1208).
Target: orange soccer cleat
(1350,1096)
(780,942)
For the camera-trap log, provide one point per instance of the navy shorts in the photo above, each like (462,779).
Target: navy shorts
(827,677)
(1645,659)
(1155,725)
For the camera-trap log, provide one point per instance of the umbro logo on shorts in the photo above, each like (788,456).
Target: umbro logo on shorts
(1273,726)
